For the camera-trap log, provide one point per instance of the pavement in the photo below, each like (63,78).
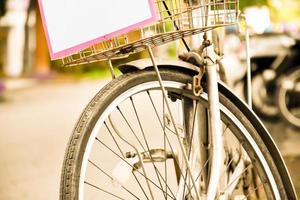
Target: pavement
(36,120)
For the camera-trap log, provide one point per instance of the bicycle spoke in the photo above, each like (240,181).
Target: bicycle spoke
(165,134)
(233,181)
(193,128)
(118,146)
(176,160)
(200,173)
(105,191)
(253,190)
(129,125)
(147,145)
(111,178)
(155,168)
(131,129)
(162,124)
(141,144)
(225,129)
(124,160)
(191,137)
(165,148)
(107,147)
(177,134)
(134,147)
(227,167)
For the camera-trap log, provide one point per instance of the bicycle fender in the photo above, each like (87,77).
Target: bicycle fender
(252,117)
(147,63)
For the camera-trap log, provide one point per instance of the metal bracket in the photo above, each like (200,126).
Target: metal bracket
(111,69)
(197,88)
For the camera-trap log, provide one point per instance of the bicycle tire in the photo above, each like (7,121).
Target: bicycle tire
(263,103)
(290,114)
(74,156)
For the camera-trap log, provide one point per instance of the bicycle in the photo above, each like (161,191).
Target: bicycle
(271,77)
(191,138)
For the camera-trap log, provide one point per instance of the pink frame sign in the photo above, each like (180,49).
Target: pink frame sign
(73,25)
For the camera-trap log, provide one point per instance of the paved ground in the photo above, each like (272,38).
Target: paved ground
(288,140)
(35,126)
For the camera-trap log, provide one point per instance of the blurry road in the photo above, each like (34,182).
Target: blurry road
(288,141)
(35,126)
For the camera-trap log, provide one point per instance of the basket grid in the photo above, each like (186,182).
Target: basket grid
(176,19)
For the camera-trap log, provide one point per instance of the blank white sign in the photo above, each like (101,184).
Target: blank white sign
(72,25)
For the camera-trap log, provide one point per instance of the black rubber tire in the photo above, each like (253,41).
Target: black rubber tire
(285,113)
(270,111)
(78,141)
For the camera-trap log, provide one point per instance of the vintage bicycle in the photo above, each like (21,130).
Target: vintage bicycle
(169,129)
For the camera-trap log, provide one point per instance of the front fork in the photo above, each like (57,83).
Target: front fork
(214,118)
(211,62)
(210,129)
(215,128)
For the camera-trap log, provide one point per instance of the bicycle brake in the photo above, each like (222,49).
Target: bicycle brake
(195,59)
(197,87)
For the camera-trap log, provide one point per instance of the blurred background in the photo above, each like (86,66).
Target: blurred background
(40,100)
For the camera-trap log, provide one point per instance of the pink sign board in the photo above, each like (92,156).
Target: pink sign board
(73,25)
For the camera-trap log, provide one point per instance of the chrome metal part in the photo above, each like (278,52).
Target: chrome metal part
(193,57)
(154,155)
(222,71)
(215,130)
(111,68)
(249,86)
(197,88)
(204,143)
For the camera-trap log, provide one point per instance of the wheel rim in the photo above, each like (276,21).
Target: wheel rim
(168,84)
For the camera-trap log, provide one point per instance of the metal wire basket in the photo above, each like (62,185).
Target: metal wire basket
(177,19)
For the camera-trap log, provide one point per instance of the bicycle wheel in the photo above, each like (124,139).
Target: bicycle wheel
(288,98)
(264,103)
(125,147)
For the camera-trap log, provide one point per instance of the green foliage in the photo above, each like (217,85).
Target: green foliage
(286,11)
(172,50)
(246,3)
